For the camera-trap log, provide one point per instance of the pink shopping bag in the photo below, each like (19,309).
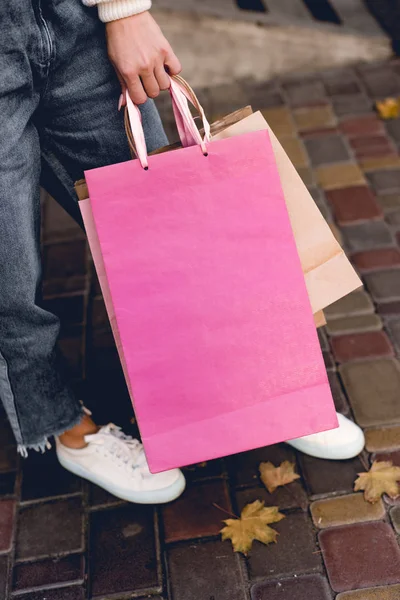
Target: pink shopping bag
(206,296)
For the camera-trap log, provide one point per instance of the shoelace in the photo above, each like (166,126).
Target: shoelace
(122,447)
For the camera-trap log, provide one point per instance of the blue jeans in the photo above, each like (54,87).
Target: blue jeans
(58,117)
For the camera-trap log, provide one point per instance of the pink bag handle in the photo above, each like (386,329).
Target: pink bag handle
(189,134)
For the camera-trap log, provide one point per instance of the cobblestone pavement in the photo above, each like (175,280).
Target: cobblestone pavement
(62,539)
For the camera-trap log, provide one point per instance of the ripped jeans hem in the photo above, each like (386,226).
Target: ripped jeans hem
(43,443)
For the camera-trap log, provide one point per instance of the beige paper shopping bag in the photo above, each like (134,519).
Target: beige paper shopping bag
(328,273)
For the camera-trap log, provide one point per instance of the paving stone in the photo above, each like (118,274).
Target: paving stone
(362,126)
(319,132)
(320,200)
(393,219)
(393,328)
(296,552)
(64,259)
(205,570)
(49,572)
(389,202)
(100,498)
(393,128)
(389,592)
(330,149)
(294,148)
(7,484)
(50,529)
(371,260)
(395,517)
(74,285)
(58,225)
(120,538)
(354,204)
(7,516)
(342,88)
(380,162)
(4,575)
(373,152)
(44,477)
(338,75)
(313,118)
(206,470)
(340,175)
(69,309)
(311,93)
(360,346)
(8,458)
(389,309)
(393,457)
(307,587)
(382,439)
(263,96)
(339,398)
(99,313)
(367,236)
(286,497)
(195,514)
(243,468)
(369,142)
(353,562)
(381,81)
(354,324)
(355,304)
(351,104)
(367,381)
(280,120)
(228,97)
(345,510)
(6,434)
(384,285)
(307,176)
(325,477)
(72,349)
(70,593)
(387,180)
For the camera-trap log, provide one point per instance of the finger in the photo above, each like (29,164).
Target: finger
(122,98)
(150,84)
(173,64)
(162,78)
(136,90)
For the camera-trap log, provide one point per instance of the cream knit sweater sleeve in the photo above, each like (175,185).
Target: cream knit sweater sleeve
(111,10)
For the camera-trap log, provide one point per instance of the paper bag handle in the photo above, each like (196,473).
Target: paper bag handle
(189,134)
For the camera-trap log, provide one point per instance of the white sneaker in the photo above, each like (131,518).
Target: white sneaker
(117,463)
(347,441)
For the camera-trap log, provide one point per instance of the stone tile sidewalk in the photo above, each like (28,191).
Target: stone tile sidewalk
(62,539)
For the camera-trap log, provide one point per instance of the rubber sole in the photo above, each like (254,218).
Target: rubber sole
(328,453)
(163,496)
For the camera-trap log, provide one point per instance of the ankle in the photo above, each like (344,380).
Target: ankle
(75,437)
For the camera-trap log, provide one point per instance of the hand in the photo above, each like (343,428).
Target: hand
(141,55)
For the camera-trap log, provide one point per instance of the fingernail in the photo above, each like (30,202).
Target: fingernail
(120,101)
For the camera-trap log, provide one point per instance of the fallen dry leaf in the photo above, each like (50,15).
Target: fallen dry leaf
(252,525)
(273,477)
(382,478)
(388,109)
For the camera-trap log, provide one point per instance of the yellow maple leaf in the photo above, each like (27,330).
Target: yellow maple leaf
(252,525)
(273,477)
(382,478)
(388,109)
